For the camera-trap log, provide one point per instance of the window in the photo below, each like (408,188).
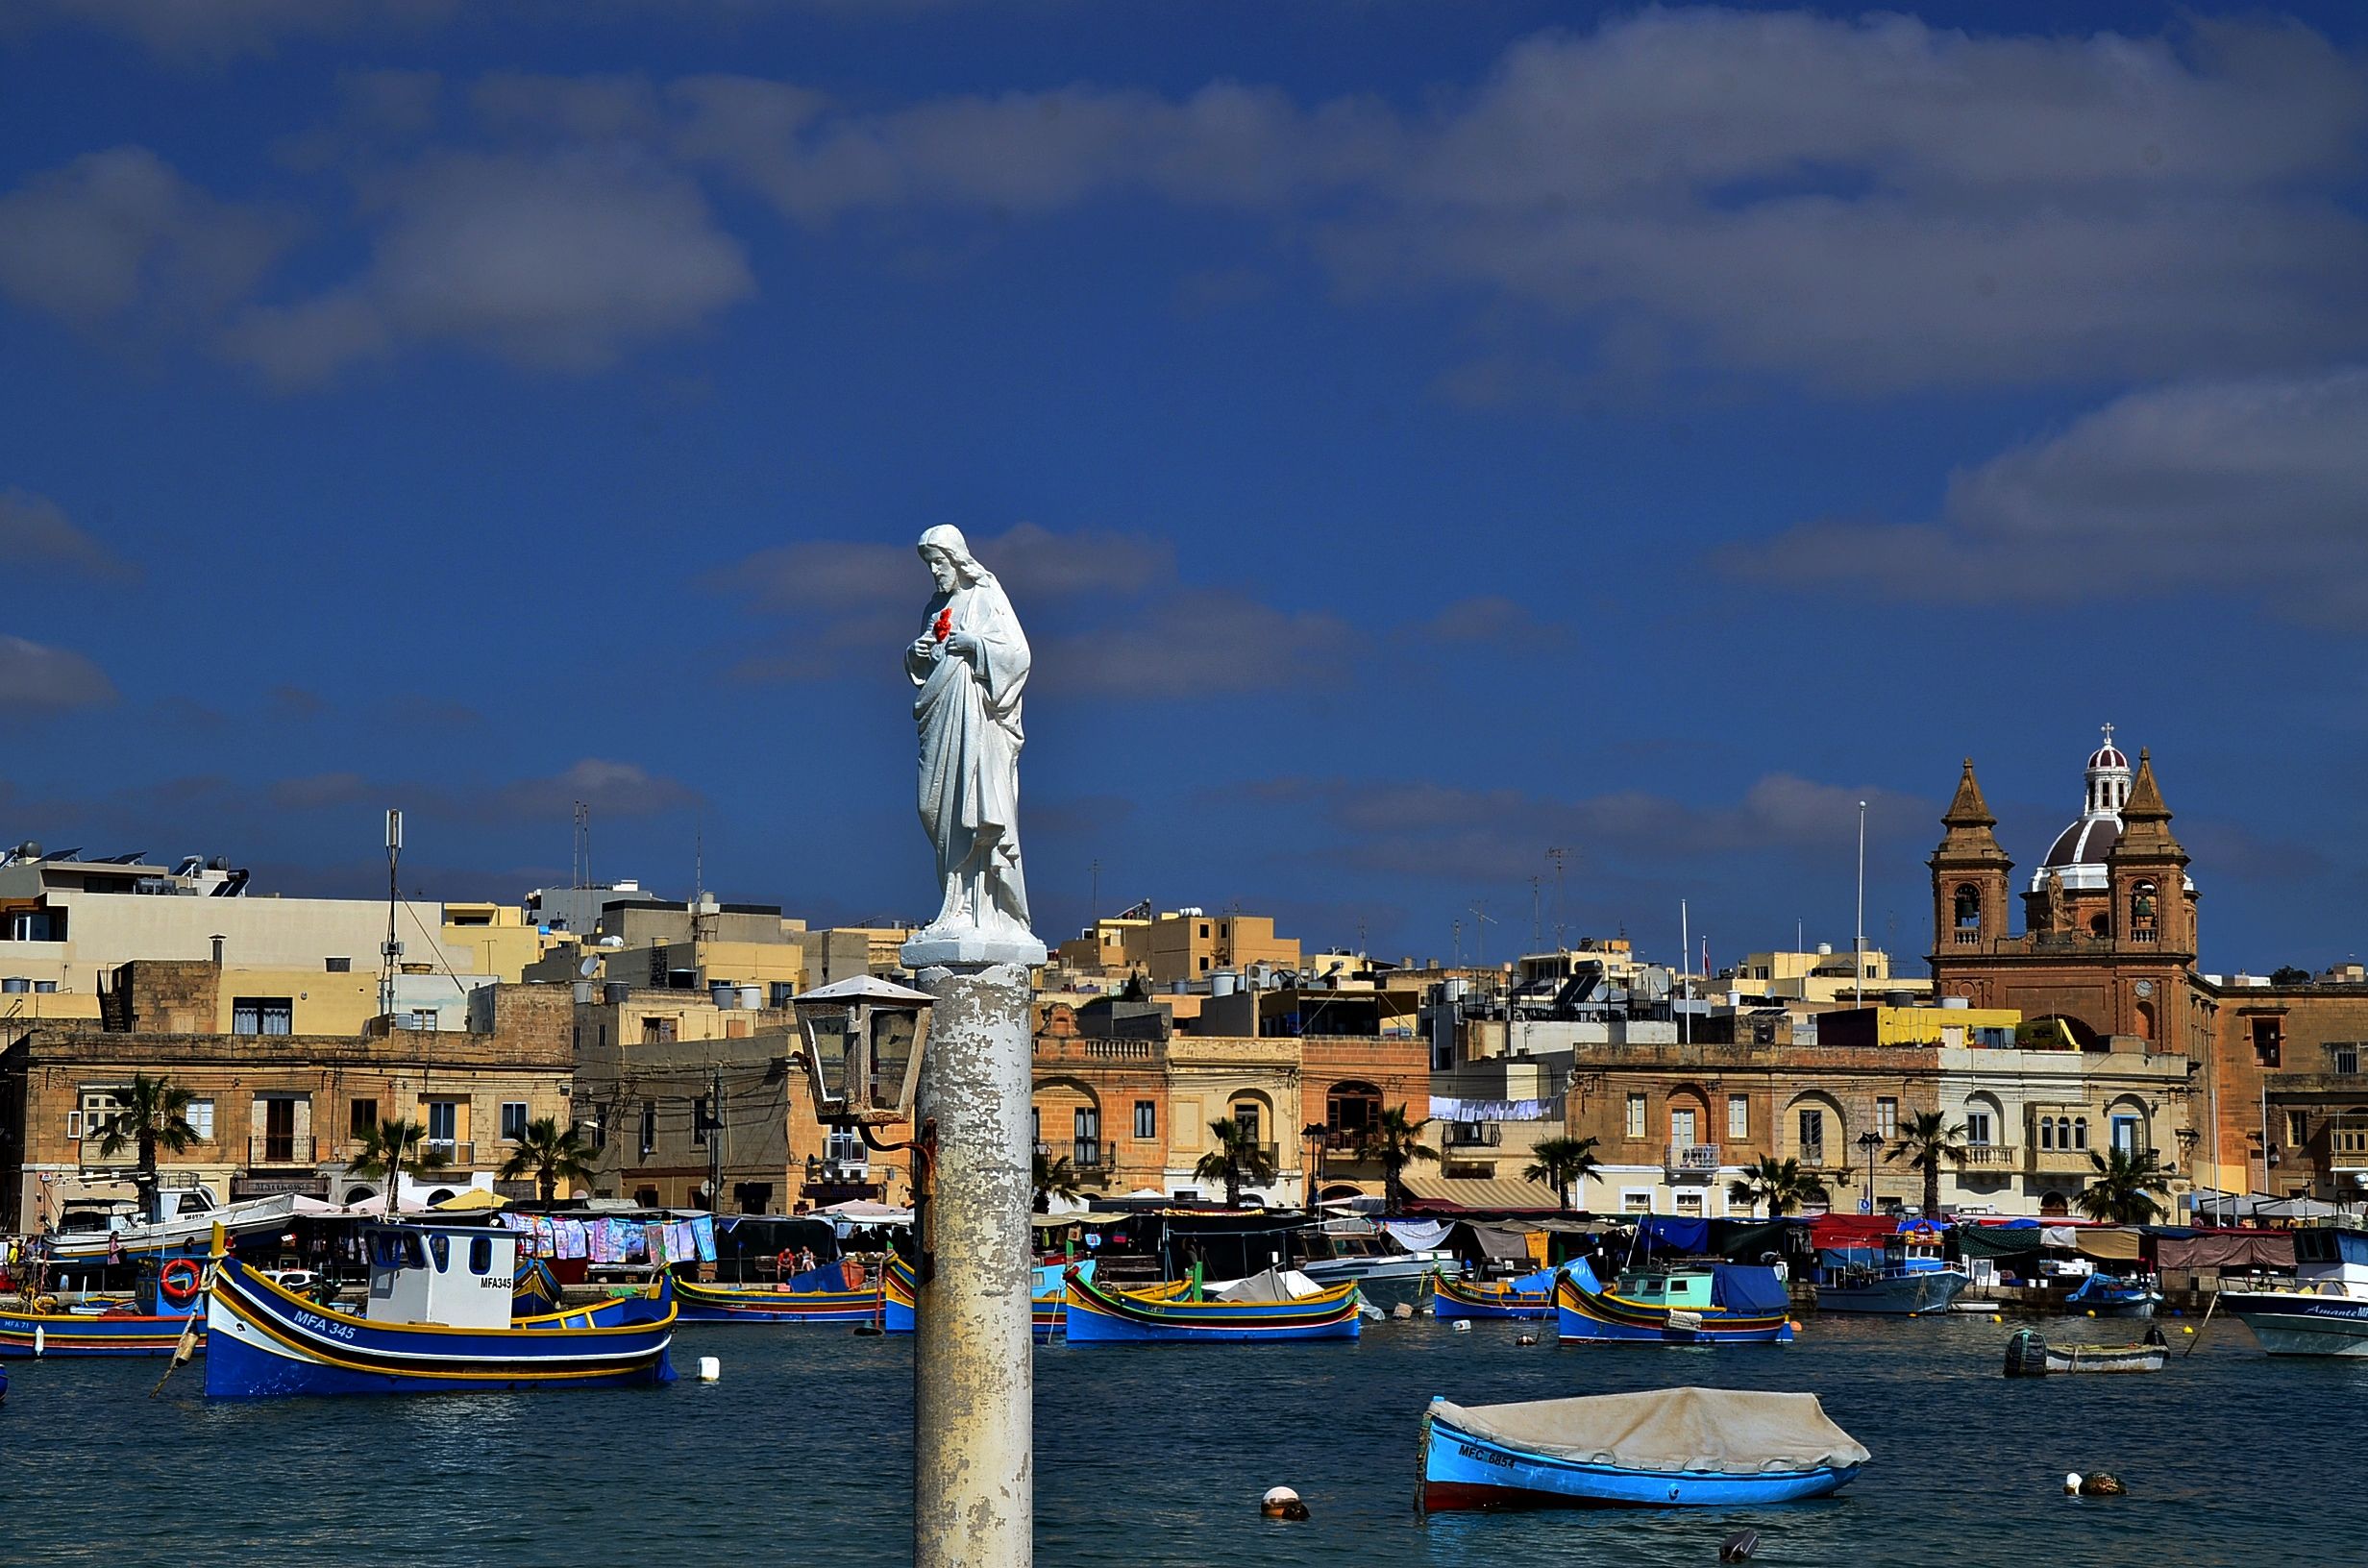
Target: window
(2079,1132)
(781,995)
(1636,1200)
(2297,1127)
(2345,1058)
(1085,1137)
(1977,1127)
(1035,1127)
(657,1031)
(1204,928)
(263,1016)
(199,1114)
(1739,1117)
(2047,1131)
(1636,1115)
(1887,1117)
(1204,966)
(1146,1119)
(1351,1111)
(645,1197)
(443,1121)
(440,1247)
(362,1118)
(2125,1134)
(1968,909)
(1812,1136)
(1689,1203)
(513,1120)
(481,1254)
(703,1120)
(1245,1116)
(1681,1127)
(2350,1136)
(649,1134)
(2268,1036)
(341,966)
(754,1197)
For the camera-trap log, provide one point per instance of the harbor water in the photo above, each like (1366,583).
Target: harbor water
(801,1454)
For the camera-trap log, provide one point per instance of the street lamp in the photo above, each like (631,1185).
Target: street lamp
(864,1039)
(1868,1143)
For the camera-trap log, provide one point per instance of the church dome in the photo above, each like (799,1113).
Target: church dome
(2078,854)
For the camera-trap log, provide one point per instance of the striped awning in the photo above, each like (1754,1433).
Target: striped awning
(1480,1195)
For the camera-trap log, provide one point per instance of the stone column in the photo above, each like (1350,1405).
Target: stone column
(973,1364)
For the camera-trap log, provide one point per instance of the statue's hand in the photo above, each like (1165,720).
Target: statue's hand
(961,644)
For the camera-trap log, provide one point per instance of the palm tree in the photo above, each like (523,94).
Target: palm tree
(1055,1179)
(1561,1163)
(1927,1140)
(389,1149)
(2123,1191)
(1779,1183)
(1237,1161)
(154,1113)
(551,1154)
(1396,1142)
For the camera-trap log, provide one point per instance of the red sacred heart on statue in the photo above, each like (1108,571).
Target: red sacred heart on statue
(945,624)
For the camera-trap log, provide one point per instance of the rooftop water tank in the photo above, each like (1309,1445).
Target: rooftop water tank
(752,998)
(1958,1002)
(1221,983)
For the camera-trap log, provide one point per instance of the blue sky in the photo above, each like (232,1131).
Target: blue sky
(1417,436)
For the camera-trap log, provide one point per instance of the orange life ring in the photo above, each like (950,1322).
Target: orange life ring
(854,1272)
(179,1282)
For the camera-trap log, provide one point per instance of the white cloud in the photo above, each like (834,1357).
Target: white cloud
(2251,487)
(36,531)
(119,229)
(34,677)
(560,260)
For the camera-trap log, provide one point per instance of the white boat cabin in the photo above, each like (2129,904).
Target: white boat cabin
(455,1276)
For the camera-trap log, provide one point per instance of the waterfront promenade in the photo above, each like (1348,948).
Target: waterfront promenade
(800,1455)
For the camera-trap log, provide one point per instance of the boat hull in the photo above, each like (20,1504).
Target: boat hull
(1463,1471)
(65,1334)
(756,1304)
(1453,1299)
(2028,1356)
(1584,1314)
(1897,1295)
(1047,1312)
(1101,1317)
(265,1342)
(1385,1283)
(2294,1324)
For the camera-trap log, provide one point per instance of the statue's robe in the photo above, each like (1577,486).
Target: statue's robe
(969,719)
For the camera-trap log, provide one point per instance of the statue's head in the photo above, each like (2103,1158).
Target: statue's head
(950,557)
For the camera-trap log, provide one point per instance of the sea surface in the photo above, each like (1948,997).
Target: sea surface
(801,1454)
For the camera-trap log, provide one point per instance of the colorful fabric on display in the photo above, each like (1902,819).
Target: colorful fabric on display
(1444,1107)
(703,1237)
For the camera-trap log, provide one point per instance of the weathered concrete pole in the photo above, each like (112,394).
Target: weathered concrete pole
(974,1382)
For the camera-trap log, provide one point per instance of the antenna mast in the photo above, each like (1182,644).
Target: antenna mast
(390,955)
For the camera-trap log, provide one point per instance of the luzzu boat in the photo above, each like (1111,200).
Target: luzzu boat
(149,1324)
(438,1320)
(844,1291)
(1669,1447)
(1708,1303)
(2102,1295)
(1047,1310)
(1177,1312)
(1900,1273)
(1530,1296)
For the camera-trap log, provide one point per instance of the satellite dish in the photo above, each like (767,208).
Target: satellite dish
(590,967)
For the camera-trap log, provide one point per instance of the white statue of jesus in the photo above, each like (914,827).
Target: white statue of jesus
(970,662)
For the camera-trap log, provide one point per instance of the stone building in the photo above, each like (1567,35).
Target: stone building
(274,1112)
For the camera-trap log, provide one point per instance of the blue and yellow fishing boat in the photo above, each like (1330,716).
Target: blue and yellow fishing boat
(1047,1311)
(1178,1311)
(845,1291)
(1530,1296)
(149,1324)
(1706,1304)
(438,1320)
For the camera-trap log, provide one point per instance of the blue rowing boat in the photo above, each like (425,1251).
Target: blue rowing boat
(1709,1304)
(1666,1448)
(437,1321)
(149,1324)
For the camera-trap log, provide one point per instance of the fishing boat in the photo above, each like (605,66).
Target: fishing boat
(1047,1311)
(1902,1274)
(2324,1310)
(844,1291)
(148,1324)
(2102,1295)
(437,1320)
(2029,1355)
(1180,1312)
(1704,1303)
(1530,1296)
(1353,1252)
(1668,1447)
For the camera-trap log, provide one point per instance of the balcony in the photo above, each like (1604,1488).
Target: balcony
(2040,1161)
(1690,1161)
(285,1149)
(1473,1135)
(1978,1156)
(455,1152)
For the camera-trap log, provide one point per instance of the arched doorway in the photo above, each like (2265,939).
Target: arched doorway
(2054,1206)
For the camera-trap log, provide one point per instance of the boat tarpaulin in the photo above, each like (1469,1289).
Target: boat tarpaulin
(1748,1288)
(1998,1241)
(1418,1235)
(1492,1242)
(2225,1249)
(2114,1244)
(1829,1233)
(1671,1233)
(1720,1430)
